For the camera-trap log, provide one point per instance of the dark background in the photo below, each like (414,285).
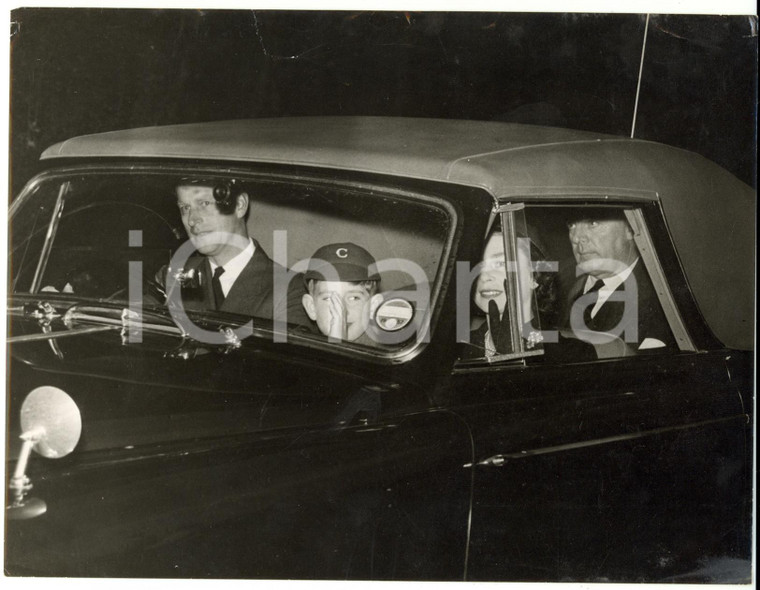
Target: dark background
(77,71)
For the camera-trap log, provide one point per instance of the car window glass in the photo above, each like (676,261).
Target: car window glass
(27,233)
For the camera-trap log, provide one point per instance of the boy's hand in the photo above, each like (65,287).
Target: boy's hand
(338,325)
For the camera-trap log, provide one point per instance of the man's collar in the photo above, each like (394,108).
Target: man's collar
(613,282)
(237,264)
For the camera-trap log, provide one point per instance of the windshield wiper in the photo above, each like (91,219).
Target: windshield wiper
(82,319)
(94,318)
(44,313)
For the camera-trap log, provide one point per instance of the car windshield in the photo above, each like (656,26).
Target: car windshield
(122,238)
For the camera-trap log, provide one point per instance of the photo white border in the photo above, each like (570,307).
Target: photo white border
(706,7)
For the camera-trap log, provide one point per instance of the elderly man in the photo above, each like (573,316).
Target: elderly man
(230,271)
(611,292)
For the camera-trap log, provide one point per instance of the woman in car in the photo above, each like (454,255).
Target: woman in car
(538,295)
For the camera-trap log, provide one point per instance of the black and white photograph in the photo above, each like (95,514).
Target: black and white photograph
(456,294)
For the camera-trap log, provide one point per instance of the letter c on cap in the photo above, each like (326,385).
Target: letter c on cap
(341,253)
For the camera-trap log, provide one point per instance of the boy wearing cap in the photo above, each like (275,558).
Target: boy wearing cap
(342,283)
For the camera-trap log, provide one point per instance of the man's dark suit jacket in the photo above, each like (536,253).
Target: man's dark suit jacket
(651,319)
(252,293)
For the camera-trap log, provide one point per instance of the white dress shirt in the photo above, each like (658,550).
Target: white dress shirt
(610,284)
(234,267)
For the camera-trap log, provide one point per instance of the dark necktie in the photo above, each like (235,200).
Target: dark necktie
(216,285)
(587,319)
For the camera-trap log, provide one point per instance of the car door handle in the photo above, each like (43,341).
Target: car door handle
(494,461)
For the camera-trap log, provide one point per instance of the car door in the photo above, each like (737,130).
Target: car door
(609,466)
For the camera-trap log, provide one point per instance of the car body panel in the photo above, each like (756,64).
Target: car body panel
(553,455)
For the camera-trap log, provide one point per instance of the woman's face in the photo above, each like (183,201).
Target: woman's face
(490,284)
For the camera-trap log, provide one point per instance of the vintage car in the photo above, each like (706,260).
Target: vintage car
(151,438)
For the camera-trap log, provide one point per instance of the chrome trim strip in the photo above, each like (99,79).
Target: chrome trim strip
(119,323)
(56,335)
(52,229)
(501,458)
(652,264)
(509,207)
(509,236)
(611,195)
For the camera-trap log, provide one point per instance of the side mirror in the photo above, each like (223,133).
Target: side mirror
(394,314)
(51,425)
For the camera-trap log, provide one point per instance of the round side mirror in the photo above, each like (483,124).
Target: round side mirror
(394,314)
(51,425)
(51,412)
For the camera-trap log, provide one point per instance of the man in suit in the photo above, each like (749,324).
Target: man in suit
(611,292)
(230,271)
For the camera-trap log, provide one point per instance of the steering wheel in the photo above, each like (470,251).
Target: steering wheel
(153,293)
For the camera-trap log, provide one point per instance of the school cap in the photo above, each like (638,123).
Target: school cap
(351,263)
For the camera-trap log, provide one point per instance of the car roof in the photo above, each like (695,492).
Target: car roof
(456,151)
(707,209)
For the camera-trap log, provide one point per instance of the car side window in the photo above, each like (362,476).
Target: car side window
(580,285)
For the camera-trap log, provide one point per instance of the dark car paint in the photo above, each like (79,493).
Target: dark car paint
(287,462)
(606,448)
(250,449)
(223,483)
